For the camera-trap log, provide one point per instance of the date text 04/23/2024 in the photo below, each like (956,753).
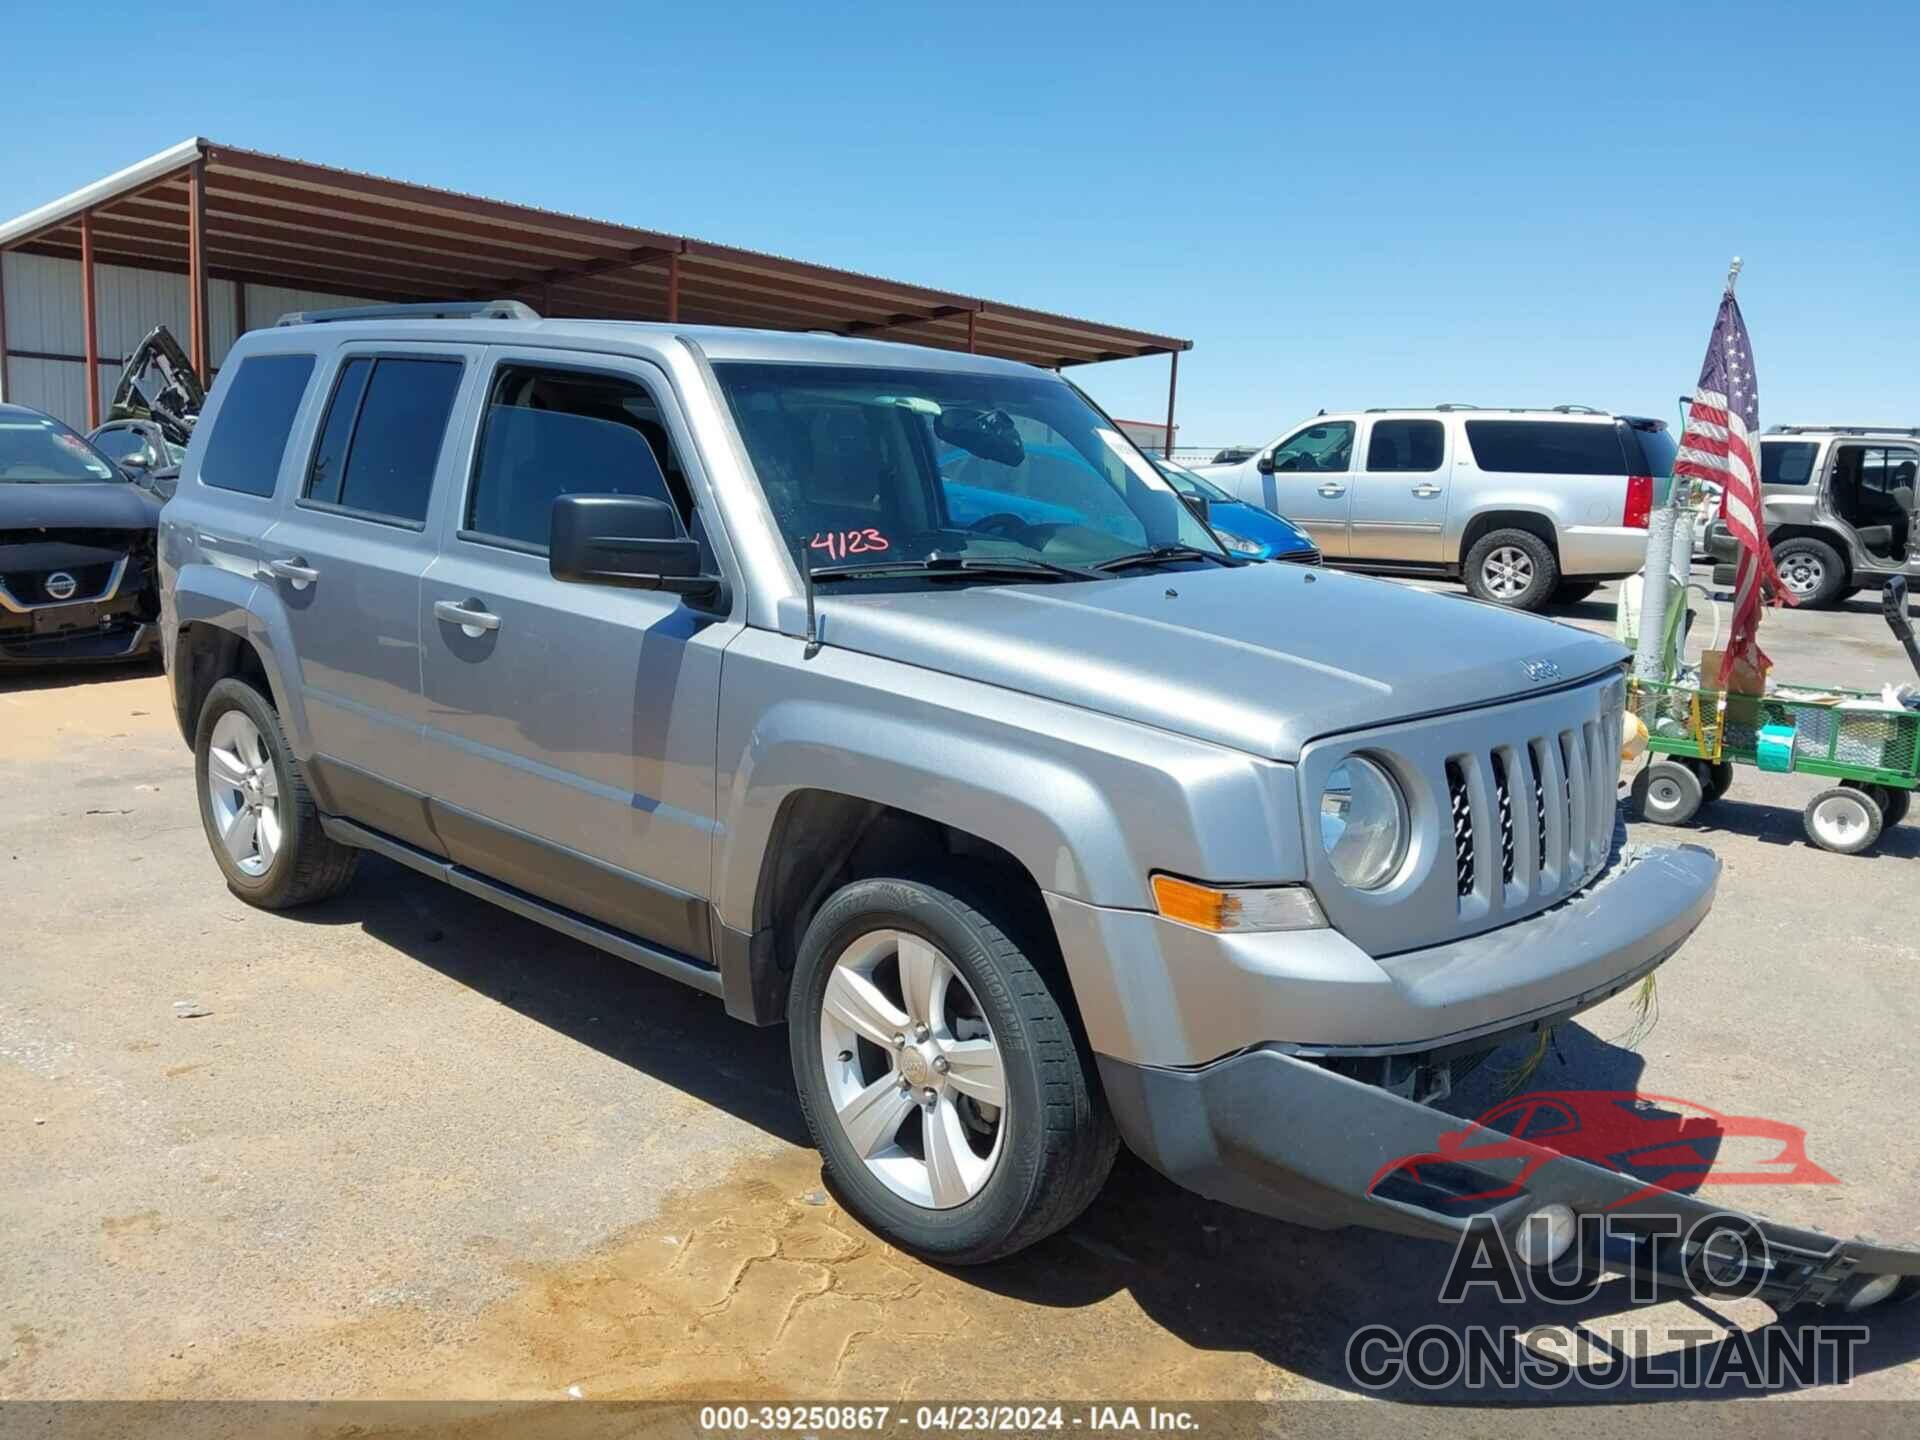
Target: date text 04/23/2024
(955,1418)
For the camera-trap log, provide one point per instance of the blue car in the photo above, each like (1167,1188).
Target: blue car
(1247,530)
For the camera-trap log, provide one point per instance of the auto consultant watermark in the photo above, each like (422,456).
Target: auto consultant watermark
(1516,1250)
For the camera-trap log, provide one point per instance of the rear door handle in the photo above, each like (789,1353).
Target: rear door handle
(295,569)
(1333,491)
(473,621)
(1426,490)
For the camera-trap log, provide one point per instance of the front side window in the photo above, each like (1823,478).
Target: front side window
(1406,445)
(1787,462)
(870,466)
(250,433)
(549,433)
(1547,447)
(1318,447)
(380,443)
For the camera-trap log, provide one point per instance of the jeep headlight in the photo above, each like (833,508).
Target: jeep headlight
(1363,823)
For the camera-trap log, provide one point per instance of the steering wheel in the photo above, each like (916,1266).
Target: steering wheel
(1003,523)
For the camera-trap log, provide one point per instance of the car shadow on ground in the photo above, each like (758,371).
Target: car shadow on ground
(1213,1276)
(25,678)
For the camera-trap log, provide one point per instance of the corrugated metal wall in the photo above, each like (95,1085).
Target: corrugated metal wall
(42,300)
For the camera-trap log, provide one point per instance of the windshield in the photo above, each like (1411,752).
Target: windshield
(39,450)
(865,466)
(1188,483)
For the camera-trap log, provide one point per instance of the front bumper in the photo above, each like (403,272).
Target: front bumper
(1283,1136)
(1153,992)
(128,640)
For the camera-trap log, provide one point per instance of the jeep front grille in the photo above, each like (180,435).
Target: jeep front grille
(1462,807)
(1543,849)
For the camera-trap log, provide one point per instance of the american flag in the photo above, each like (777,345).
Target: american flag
(1718,445)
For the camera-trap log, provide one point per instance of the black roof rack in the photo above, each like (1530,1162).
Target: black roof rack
(431,310)
(1844,430)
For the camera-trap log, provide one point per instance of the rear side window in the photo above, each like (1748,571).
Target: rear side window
(1546,447)
(380,442)
(250,434)
(1405,445)
(1787,462)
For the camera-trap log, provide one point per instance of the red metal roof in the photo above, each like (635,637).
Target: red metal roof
(272,220)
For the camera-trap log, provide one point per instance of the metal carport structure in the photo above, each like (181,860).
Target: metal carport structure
(218,214)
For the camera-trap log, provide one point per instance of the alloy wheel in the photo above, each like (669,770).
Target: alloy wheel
(913,1070)
(1507,571)
(244,790)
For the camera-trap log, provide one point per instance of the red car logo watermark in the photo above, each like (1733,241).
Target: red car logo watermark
(1671,1144)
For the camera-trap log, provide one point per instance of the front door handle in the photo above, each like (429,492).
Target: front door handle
(295,569)
(1426,490)
(1332,490)
(472,620)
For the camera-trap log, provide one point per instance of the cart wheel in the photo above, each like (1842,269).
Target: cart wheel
(1667,792)
(1845,820)
(1892,802)
(1715,776)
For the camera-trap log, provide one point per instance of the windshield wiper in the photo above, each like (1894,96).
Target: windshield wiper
(1158,554)
(1011,567)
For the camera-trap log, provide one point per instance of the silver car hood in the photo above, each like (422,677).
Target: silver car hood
(1262,658)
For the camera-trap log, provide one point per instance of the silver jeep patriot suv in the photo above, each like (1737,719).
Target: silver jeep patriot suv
(892,694)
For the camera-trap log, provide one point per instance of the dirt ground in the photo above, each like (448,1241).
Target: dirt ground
(416,1147)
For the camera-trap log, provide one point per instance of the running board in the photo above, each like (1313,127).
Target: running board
(574,927)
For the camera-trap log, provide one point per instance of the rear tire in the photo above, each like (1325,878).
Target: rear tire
(1667,792)
(1893,803)
(259,816)
(867,1049)
(1811,569)
(1718,777)
(1514,568)
(1845,820)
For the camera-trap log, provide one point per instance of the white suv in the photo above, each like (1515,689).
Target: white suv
(1527,507)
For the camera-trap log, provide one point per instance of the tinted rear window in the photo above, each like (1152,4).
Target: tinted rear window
(250,434)
(390,421)
(1546,447)
(1787,462)
(1657,451)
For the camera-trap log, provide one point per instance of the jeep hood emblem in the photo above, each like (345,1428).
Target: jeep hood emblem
(1539,670)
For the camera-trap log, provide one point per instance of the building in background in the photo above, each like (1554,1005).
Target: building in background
(211,239)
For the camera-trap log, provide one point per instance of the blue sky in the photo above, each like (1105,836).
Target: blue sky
(1341,206)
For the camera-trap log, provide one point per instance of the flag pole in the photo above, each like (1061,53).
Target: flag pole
(1669,567)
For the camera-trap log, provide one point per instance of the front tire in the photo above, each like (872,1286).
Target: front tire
(941,1076)
(1514,568)
(259,816)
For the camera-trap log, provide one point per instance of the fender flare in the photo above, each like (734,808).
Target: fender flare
(1053,820)
(240,605)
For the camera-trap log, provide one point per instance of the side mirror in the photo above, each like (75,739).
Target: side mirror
(1265,464)
(1200,506)
(630,541)
(138,460)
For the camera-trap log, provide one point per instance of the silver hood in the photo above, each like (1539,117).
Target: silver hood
(1262,658)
